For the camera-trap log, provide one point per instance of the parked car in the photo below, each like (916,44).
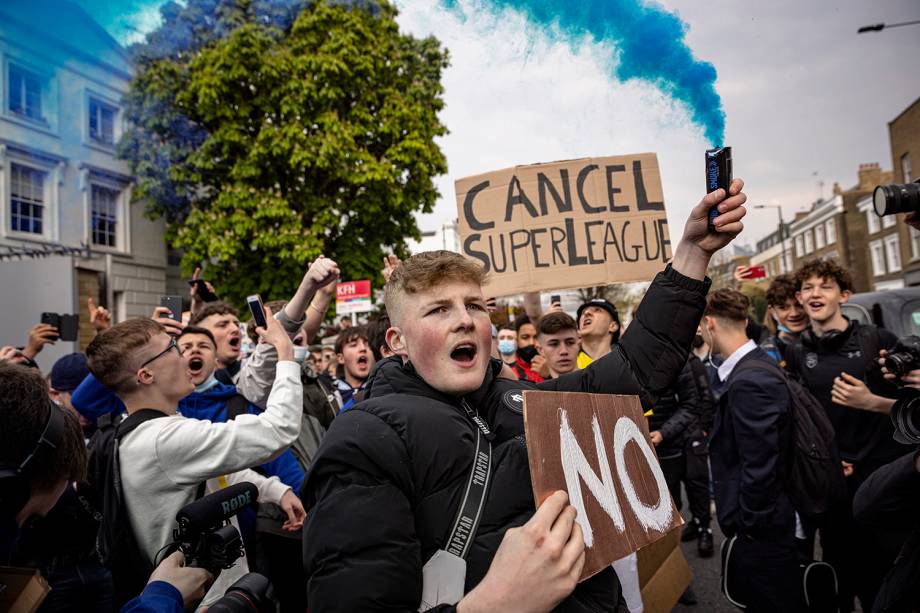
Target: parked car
(897,310)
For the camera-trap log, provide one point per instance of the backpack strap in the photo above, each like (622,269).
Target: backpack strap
(129,423)
(236,406)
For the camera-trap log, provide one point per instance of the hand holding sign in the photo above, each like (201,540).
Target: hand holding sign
(536,566)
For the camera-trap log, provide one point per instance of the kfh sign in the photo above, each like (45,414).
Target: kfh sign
(566,224)
(353,297)
(597,448)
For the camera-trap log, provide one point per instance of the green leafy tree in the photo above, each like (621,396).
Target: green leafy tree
(269,136)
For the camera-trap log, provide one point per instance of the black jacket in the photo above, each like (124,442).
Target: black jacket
(676,415)
(390,473)
(890,498)
(746,448)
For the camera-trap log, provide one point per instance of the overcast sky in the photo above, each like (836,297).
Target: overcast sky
(802,94)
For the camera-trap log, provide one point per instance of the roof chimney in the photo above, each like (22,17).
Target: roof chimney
(870,175)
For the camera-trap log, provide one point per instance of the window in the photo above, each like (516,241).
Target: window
(104,216)
(102,122)
(878,258)
(819,237)
(905,168)
(893,250)
(809,242)
(872,219)
(914,243)
(889,221)
(27,199)
(831,228)
(25,93)
(799,250)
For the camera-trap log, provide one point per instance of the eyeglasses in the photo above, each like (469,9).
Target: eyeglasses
(172,345)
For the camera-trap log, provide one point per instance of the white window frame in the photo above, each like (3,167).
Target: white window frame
(877,257)
(906,170)
(799,246)
(893,252)
(809,241)
(54,173)
(117,120)
(830,227)
(819,236)
(88,179)
(873,221)
(889,221)
(914,242)
(49,92)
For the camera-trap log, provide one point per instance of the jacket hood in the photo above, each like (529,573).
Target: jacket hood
(392,376)
(210,404)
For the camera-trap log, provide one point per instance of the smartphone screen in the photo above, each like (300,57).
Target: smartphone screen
(258,313)
(757,272)
(555,298)
(174,304)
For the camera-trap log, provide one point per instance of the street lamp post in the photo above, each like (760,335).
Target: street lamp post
(878,27)
(782,234)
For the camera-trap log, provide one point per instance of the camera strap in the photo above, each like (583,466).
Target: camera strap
(475,495)
(444,575)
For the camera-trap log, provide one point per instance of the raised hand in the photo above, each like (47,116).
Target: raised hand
(39,336)
(277,336)
(728,223)
(99,316)
(390,263)
(161,315)
(323,272)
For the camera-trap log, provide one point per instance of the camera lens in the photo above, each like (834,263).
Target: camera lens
(897,364)
(905,414)
(891,199)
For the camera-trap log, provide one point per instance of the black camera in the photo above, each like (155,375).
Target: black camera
(252,593)
(204,533)
(897,198)
(904,357)
(905,415)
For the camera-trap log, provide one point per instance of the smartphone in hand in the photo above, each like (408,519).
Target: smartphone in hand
(174,304)
(54,320)
(203,292)
(756,272)
(70,327)
(555,299)
(258,313)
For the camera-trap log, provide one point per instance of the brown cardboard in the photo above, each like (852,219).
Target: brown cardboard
(562,430)
(22,590)
(576,223)
(668,581)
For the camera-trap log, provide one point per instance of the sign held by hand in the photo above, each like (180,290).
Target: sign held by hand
(592,221)
(597,448)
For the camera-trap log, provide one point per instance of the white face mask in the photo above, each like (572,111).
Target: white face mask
(300,353)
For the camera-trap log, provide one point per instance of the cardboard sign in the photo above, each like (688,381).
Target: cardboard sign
(663,574)
(597,448)
(22,590)
(566,224)
(353,297)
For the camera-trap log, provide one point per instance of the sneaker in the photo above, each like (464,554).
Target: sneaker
(691,531)
(688,597)
(704,545)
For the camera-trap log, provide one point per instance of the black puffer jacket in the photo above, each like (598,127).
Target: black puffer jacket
(389,476)
(676,415)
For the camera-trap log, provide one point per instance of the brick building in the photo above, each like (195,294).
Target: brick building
(770,249)
(904,134)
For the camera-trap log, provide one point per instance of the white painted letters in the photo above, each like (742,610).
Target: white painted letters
(657,517)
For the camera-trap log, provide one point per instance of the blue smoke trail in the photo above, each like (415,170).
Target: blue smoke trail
(650,45)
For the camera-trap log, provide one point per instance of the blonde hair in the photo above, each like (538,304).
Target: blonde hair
(426,270)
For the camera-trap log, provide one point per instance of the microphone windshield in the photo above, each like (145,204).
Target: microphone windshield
(211,511)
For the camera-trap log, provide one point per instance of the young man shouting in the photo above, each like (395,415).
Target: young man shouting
(355,359)
(223,321)
(599,328)
(388,479)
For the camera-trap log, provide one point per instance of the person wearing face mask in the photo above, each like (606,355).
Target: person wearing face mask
(507,345)
(788,317)
(529,362)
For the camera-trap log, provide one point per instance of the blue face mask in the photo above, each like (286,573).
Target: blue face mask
(507,347)
(207,384)
(781,328)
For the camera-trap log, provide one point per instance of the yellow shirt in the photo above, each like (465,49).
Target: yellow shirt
(583,360)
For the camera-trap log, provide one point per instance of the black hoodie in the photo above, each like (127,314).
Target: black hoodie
(389,476)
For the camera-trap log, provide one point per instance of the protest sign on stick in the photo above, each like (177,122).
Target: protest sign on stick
(353,297)
(597,448)
(577,223)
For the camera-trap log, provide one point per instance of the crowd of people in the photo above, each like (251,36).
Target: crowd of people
(361,449)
